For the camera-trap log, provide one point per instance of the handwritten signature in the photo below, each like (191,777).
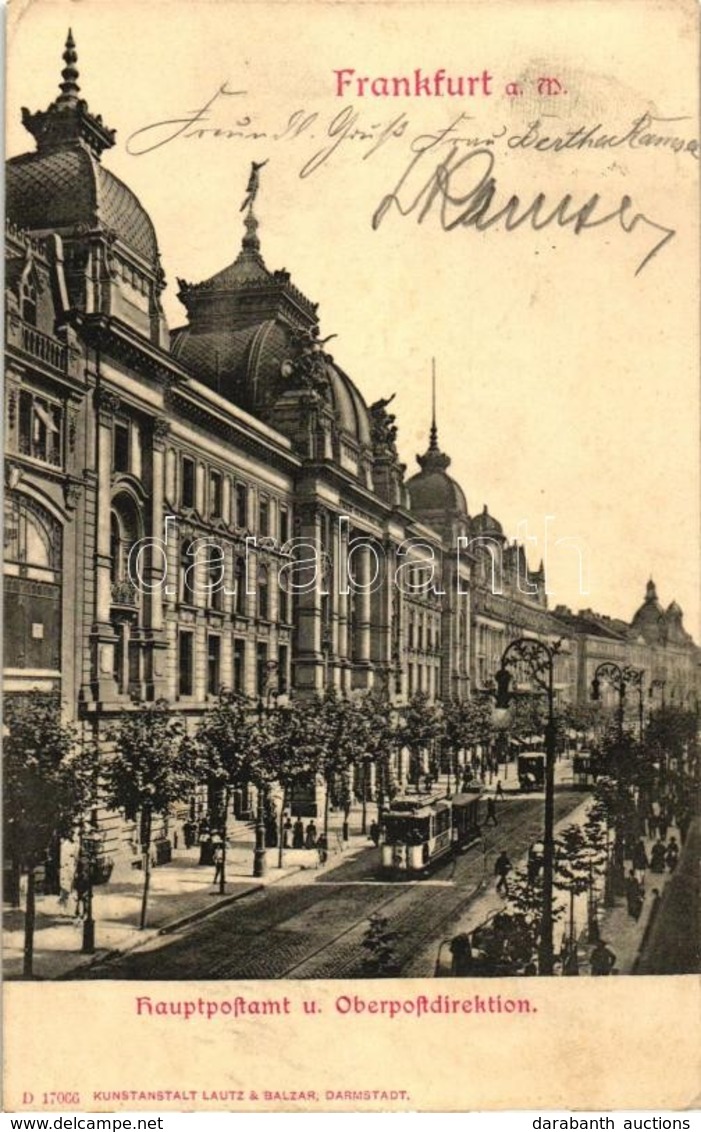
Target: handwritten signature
(462,190)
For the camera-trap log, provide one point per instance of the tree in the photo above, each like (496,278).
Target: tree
(45,790)
(420,727)
(222,746)
(379,736)
(344,736)
(576,862)
(150,769)
(284,747)
(466,723)
(379,942)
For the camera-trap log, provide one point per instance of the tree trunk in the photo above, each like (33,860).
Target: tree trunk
(281,845)
(225,816)
(327,803)
(29,919)
(146,851)
(364,818)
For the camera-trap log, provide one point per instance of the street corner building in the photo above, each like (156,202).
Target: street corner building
(215,447)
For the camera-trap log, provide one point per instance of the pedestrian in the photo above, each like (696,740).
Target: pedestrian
(658,856)
(634,895)
(502,868)
(374,833)
(310,836)
(535,861)
(218,859)
(663,822)
(287,833)
(602,959)
(322,847)
(651,823)
(640,861)
(298,835)
(80,885)
(672,856)
(491,812)
(500,791)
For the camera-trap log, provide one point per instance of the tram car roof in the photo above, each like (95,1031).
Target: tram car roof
(466,796)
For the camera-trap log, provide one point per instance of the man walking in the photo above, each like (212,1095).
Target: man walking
(491,812)
(502,868)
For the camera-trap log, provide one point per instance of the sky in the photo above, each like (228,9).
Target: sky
(567,384)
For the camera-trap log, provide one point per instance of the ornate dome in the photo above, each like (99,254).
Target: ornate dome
(248,330)
(69,192)
(63,186)
(432,490)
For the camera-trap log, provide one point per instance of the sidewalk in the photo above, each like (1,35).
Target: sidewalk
(179,893)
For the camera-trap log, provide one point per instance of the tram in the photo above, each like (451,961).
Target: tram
(419,830)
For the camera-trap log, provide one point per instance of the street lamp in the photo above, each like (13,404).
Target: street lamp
(260,861)
(539,658)
(619,679)
(89,845)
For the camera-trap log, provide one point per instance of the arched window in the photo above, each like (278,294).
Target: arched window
(125,531)
(263,593)
(32,566)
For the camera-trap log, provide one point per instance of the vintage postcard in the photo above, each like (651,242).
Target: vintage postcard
(352,665)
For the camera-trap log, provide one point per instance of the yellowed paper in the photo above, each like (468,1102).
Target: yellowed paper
(535,233)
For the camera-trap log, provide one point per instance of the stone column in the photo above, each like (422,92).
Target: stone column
(157,565)
(103,634)
(309,662)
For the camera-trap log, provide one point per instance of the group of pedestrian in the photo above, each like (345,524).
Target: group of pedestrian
(295,836)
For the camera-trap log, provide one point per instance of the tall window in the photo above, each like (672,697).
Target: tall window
(264,516)
(263,593)
(40,428)
(241,505)
(282,654)
(215,575)
(283,599)
(188,582)
(215,495)
(29,302)
(240,586)
(214,665)
(239,665)
(120,447)
(284,525)
(187,494)
(185,662)
(261,669)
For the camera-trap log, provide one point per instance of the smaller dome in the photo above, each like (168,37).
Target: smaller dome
(436,491)
(674,610)
(486,524)
(432,490)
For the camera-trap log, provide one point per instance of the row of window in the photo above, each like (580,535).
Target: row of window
(264,677)
(241,502)
(421,633)
(215,588)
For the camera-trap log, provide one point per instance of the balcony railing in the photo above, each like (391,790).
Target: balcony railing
(43,347)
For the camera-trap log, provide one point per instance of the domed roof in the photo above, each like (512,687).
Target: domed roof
(250,328)
(486,524)
(83,195)
(674,610)
(246,367)
(63,186)
(432,489)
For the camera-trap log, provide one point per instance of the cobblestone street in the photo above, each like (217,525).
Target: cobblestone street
(315,930)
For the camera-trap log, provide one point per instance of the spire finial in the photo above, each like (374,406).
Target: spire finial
(69,87)
(433,443)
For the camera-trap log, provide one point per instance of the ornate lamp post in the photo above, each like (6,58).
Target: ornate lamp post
(90,842)
(539,659)
(260,861)
(619,679)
